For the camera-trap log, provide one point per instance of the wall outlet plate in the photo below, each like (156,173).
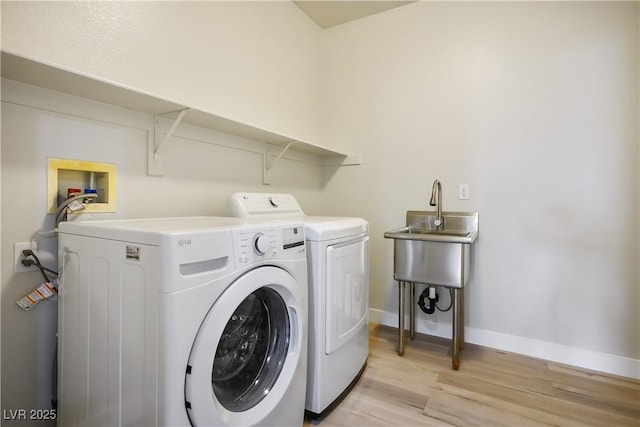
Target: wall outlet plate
(463,192)
(18,257)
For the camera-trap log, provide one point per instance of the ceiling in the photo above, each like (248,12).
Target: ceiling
(329,13)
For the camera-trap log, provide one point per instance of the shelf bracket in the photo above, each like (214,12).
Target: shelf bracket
(158,148)
(154,157)
(284,150)
(268,165)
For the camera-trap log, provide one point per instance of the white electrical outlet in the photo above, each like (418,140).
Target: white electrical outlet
(18,257)
(463,191)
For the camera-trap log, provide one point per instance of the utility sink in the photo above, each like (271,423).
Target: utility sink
(425,253)
(434,249)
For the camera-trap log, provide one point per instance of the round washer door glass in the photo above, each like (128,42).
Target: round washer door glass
(251,351)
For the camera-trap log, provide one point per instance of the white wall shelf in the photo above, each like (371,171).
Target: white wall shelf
(76,83)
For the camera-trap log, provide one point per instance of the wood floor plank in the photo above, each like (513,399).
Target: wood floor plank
(565,409)
(373,402)
(461,407)
(492,388)
(509,376)
(602,401)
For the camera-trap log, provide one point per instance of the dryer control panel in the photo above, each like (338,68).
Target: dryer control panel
(257,244)
(263,205)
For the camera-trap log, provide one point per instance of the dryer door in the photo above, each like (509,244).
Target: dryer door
(347,298)
(246,350)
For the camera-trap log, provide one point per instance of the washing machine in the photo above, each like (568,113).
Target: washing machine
(338,265)
(182,321)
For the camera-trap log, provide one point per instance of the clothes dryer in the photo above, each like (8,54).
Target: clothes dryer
(178,321)
(338,265)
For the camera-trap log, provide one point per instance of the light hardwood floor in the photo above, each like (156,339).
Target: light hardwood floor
(492,388)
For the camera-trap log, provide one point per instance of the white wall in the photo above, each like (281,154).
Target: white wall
(535,106)
(253,62)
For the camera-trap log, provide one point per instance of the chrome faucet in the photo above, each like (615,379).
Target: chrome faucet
(436,200)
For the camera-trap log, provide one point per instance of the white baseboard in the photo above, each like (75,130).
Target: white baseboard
(559,353)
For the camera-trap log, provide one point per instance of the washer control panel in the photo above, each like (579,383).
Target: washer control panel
(253,245)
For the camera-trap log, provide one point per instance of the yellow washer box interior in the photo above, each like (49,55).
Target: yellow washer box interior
(64,174)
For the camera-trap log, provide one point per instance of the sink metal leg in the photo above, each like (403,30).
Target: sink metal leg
(400,318)
(412,310)
(455,341)
(461,319)
(460,300)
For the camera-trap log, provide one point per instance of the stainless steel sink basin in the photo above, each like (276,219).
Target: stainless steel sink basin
(424,253)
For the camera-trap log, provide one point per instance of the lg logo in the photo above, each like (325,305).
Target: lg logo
(183,242)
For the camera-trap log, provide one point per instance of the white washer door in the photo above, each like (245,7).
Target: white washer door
(246,350)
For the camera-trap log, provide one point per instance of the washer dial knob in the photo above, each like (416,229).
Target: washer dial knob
(260,244)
